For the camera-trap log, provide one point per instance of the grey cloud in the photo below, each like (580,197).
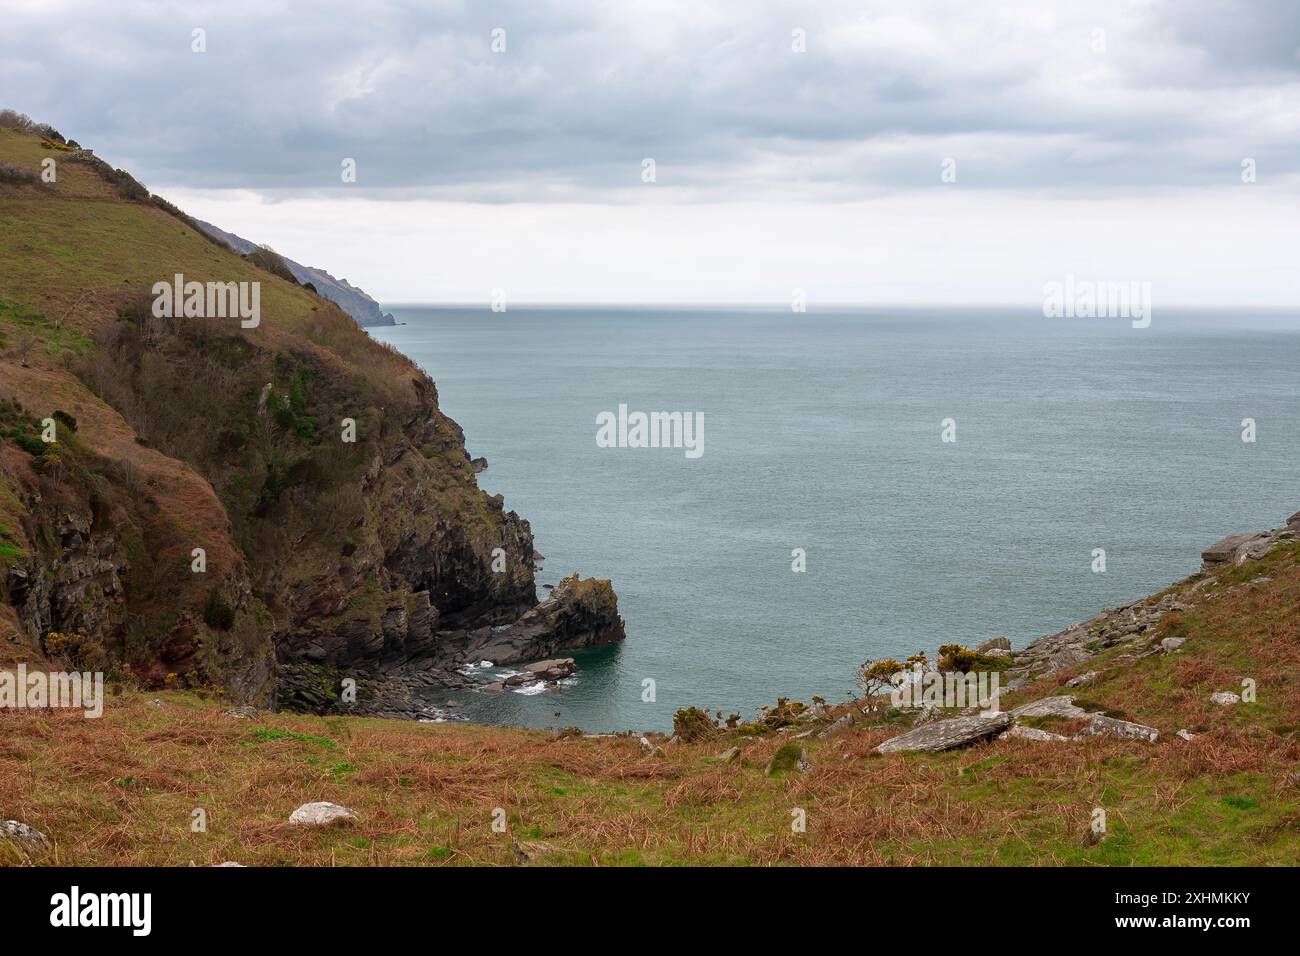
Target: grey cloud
(711,91)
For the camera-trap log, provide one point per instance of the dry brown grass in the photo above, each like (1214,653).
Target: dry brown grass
(120,791)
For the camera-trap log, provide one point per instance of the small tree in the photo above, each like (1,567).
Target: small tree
(877,677)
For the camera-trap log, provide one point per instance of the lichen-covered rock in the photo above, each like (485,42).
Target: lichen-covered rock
(947,734)
(1225,698)
(321,814)
(1021,732)
(1101,725)
(1238,548)
(29,841)
(1058,706)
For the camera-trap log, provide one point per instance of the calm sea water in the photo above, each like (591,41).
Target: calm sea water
(822,432)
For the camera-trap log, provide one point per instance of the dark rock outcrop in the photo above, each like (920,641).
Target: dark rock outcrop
(543,672)
(577,613)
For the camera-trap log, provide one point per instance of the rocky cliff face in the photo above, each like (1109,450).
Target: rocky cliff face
(274,510)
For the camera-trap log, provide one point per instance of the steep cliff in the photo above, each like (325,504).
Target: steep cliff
(268,509)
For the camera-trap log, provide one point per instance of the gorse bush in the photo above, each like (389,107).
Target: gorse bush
(954,657)
(692,723)
(80,650)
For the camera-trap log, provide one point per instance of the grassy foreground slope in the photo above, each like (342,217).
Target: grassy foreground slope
(122,790)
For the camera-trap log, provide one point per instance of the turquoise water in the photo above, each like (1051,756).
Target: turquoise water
(822,432)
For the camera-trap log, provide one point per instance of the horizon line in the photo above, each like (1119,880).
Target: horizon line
(782,307)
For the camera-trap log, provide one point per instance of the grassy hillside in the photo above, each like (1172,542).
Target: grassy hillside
(324,557)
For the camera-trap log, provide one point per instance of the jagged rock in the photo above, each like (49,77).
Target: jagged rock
(577,613)
(730,755)
(546,672)
(646,745)
(1066,657)
(994,644)
(1082,679)
(788,757)
(321,814)
(1060,706)
(1171,644)
(1237,549)
(947,734)
(1185,734)
(1225,698)
(29,840)
(552,670)
(1031,733)
(421,624)
(1101,725)
(479,465)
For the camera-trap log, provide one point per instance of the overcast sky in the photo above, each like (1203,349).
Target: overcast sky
(1102,138)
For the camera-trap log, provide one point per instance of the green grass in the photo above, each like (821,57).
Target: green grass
(265,734)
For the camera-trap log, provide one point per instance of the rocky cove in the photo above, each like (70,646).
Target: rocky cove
(279,514)
(410,599)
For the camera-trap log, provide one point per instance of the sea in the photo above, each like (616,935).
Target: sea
(864,483)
